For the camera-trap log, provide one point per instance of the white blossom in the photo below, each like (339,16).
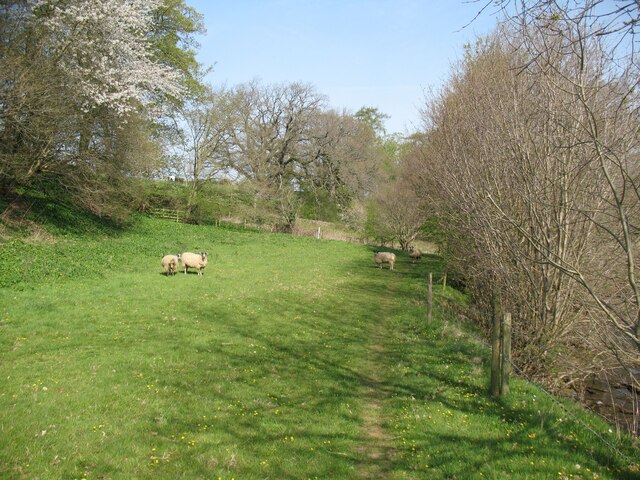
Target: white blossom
(102,49)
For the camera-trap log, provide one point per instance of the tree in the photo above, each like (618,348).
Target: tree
(280,141)
(266,142)
(77,77)
(102,49)
(203,126)
(585,51)
(615,19)
(345,160)
(172,41)
(373,117)
(530,157)
(489,142)
(399,213)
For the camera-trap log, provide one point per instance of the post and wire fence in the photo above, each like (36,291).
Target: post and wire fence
(500,354)
(502,364)
(430,294)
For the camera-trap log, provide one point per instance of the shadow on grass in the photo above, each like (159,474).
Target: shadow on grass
(54,209)
(302,377)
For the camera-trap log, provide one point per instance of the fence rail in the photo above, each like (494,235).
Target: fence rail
(166,213)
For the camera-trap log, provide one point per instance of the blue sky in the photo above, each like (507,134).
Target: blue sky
(378,53)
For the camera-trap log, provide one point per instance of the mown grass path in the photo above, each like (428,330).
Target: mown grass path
(377,449)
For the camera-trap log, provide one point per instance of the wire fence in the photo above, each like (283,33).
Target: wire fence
(522,374)
(573,417)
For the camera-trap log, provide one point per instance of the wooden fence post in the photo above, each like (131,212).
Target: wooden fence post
(506,353)
(430,298)
(495,349)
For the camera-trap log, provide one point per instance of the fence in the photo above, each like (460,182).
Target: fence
(166,213)
(502,366)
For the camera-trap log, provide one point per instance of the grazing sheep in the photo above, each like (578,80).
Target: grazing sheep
(170,264)
(415,254)
(194,260)
(384,257)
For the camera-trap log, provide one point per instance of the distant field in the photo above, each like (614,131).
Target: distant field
(290,358)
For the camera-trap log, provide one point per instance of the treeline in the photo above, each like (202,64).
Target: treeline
(529,158)
(95,95)
(282,142)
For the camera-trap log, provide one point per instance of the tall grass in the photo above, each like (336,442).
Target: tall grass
(258,369)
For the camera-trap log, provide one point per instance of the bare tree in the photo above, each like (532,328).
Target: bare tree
(490,167)
(204,125)
(273,124)
(533,154)
(587,54)
(344,159)
(399,212)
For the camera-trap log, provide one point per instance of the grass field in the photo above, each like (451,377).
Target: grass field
(290,358)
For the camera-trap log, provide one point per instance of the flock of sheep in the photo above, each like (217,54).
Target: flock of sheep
(390,258)
(189,260)
(170,263)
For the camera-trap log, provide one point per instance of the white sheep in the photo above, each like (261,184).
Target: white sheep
(194,260)
(170,264)
(415,254)
(384,257)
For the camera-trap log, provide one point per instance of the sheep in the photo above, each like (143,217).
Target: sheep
(384,257)
(194,260)
(415,254)
(170,264)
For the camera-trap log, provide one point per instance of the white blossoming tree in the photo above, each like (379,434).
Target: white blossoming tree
(102,49)
(82,82)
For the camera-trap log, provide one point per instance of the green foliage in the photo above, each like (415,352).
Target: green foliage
(213,200)
(173,41)
(433,232)
(47,206)
(374,228)
(319,205)
(217,200)
(163,194)
(57,117)
(373,117)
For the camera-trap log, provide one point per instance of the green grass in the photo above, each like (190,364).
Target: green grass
(110,370)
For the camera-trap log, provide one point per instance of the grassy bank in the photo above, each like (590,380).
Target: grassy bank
(289,358)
